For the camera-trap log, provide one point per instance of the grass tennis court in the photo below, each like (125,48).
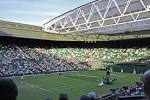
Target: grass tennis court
(74,83)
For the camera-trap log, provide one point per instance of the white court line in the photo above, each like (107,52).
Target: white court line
(46,90)
(83,75)
(35,86)
(54,89)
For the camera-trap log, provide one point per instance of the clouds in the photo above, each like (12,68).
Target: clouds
(35,11)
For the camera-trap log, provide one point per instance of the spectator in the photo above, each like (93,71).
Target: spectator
(48,98)
(8,89)
(146,81)
(84,97)
(63,96)
(92,95)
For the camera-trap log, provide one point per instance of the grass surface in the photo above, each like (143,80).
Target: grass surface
(40,87)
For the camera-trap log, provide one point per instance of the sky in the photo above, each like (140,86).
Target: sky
(35,12)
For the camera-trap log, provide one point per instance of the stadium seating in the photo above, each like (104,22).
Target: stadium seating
(41,60)
(22,60)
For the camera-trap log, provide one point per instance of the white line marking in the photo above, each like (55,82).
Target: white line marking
(82,75)
(35,86)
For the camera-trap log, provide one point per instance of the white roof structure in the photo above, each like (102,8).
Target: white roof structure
(103,17)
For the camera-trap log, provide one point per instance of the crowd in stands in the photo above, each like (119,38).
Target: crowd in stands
(15,60)
(18,60)
(96,54)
